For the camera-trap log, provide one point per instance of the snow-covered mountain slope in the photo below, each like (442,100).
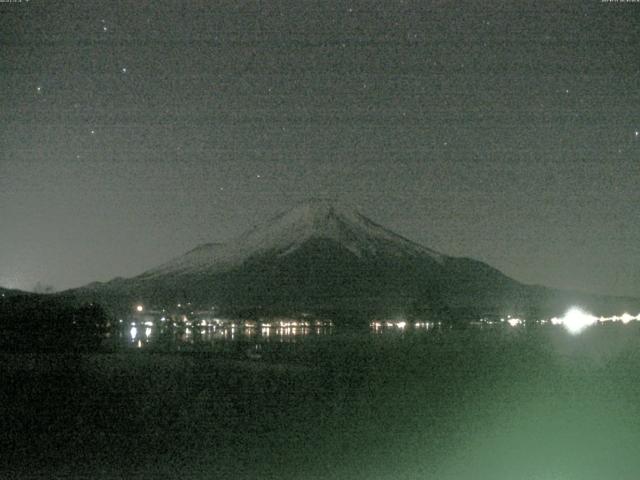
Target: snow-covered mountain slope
(325,258)
(289,231)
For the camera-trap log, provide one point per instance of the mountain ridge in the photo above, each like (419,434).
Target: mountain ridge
(287,231)
(323,257)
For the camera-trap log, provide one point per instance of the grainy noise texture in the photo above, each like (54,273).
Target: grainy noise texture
(130,132)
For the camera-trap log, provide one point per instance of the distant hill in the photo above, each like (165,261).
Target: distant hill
(9,292)
(321,257)
(32,322)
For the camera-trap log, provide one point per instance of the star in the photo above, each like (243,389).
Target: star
(105,29)
(39,89)
(124,70)
(637,133)
(93,132)
(258,176)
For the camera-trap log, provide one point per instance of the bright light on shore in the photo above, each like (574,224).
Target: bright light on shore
(576,320)
(556,321)
(626,318)
(139,308)
(514,322)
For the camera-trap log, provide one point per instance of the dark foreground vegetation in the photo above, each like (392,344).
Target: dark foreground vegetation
(44,323)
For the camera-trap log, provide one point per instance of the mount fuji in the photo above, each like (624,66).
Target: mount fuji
(324,258)
(319,220)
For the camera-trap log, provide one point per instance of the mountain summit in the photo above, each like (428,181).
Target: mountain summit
(284,234)
(326,258)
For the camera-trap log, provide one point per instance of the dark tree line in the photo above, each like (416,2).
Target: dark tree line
(35,323)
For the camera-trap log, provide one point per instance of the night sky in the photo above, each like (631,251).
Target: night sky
(505,131)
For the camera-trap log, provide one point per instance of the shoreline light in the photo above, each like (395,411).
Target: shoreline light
(514,322)
(576,320)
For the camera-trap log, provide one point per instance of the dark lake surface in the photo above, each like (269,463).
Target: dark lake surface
(475,403)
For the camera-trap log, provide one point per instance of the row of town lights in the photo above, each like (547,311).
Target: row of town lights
(575,320)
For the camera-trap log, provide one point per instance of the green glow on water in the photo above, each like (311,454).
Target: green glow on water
(511,403)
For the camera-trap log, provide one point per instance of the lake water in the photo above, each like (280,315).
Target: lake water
(263,334)
(479,403)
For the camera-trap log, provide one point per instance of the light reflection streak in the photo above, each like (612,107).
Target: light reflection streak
(210,330)
(576,320)
(380,326)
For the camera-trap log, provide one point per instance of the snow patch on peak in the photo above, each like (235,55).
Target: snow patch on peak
(324,219)
(288,231)
(313,219)
(317,212)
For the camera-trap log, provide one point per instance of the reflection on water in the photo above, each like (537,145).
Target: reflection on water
(204,332)
(142,330)
(388,326)
(281,331)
